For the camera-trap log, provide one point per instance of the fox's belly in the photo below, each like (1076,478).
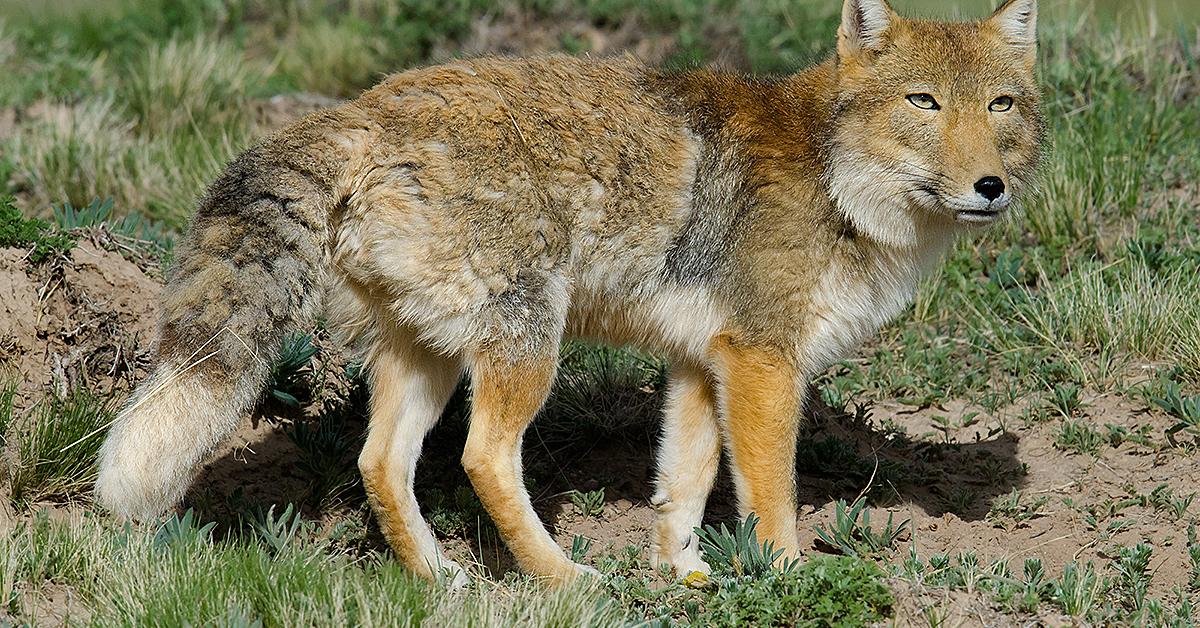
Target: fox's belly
(676,322)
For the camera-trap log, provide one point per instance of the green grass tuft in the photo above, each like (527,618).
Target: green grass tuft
(292,370)
(8,394)
(1079,437)
(56,447)
(125,576)
(37,236)
(825,591)
(737,552)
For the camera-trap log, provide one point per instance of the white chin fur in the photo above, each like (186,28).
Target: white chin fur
(874,210)
(978,217)
(976,211)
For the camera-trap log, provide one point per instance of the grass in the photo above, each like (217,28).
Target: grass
(1016,509)
(825,591)
(283,572)
(1081,591)
(589,503)
(56,447)
(8,393)
(127,108)
(1078,437)
(37,237)
(737,552)
(180,575)
(181,84)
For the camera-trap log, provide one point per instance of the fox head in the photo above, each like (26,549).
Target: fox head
(936,125)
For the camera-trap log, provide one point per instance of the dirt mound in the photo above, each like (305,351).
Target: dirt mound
(84,319)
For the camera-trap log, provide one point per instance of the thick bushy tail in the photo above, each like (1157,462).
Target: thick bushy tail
(250,271)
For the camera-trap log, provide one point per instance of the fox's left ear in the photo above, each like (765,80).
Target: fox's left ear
(863,24)
(1016,20)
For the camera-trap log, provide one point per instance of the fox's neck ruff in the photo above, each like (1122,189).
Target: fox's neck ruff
(880,215)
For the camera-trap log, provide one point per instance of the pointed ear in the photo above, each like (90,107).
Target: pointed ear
(863,25)
(1016,20)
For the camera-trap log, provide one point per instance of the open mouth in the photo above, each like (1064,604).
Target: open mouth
(978,215)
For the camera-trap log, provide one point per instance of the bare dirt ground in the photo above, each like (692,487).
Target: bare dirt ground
(84,320)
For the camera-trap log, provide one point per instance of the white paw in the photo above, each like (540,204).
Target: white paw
(686,562)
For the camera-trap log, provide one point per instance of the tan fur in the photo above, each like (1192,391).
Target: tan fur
(473,215)
(760,403)
(501,409)
(691,453)
(410,387)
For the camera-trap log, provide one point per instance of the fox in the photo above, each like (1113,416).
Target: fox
(466,219)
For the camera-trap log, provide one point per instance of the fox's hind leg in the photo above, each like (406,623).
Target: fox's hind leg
(760,390)
(410,387)
(506,395)
(689,457)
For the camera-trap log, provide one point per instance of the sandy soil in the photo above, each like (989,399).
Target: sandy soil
(86,319)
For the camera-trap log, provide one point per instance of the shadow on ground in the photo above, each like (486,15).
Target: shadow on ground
(841,454)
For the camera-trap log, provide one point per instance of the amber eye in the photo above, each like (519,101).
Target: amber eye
(924,101)
(1003,103)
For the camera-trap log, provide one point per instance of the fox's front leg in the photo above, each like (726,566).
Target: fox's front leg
(760,397)
(688,459)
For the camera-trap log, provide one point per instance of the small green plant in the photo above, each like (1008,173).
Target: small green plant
(1118,435)
(580,546)
(1164,499)
(853,534)
(824,591)
(290,373)
(8,392)
(1065,400)
(737,552)
(936,616)
(943,424)
(1078,437)
(457,514)
(912,566)
(600,392)
(1005,272)
(58,444)
(96,213)
(99,214)
(589,504)
(185,530)
(38,237)
(1033,586)
(1133,575)
(748,587)
(1186,410)
(965,571)
(1014,509)
(1077,590)
(323,443)
(960,500)
(279,532)
(833,457)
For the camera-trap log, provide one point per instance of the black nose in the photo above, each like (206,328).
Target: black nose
(990,187)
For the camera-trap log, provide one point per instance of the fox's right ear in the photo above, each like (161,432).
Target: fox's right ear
(863,25)
(1016,20)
